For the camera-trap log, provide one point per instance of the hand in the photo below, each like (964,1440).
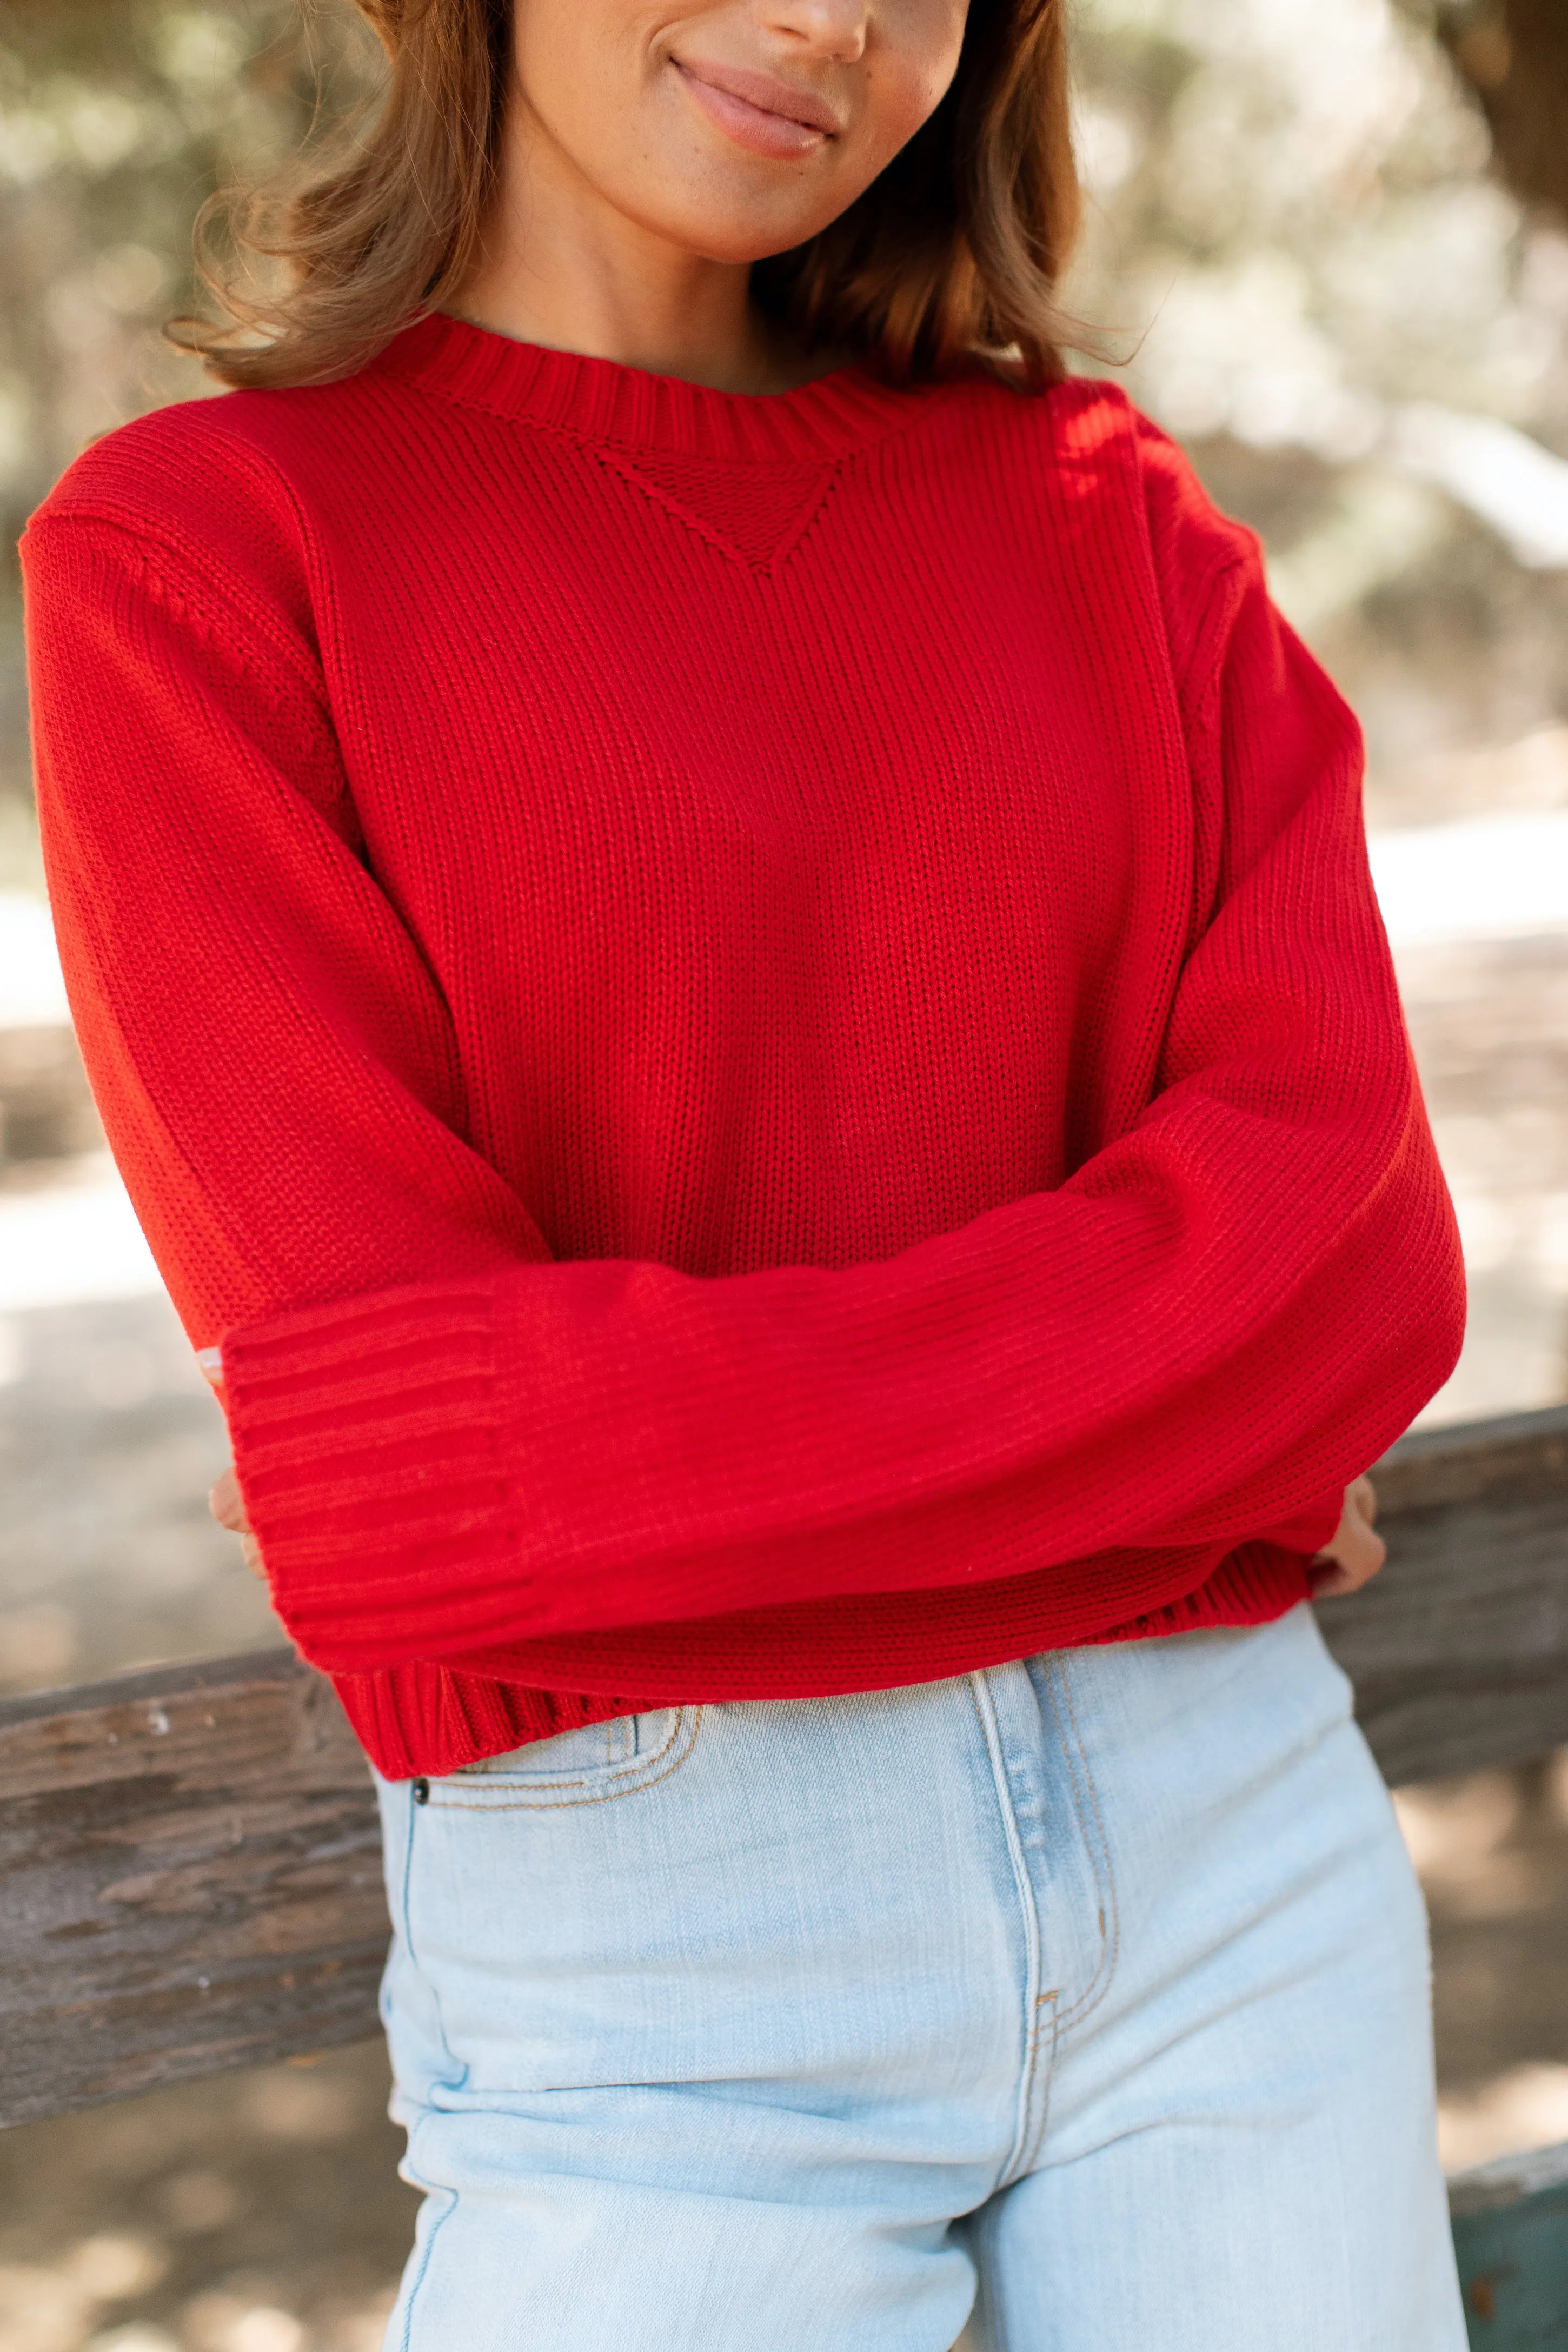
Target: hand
(227,1504)
(1356,1550)
(225,1500)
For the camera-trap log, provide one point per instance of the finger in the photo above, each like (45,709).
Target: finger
(1366,1555)
(1353,1561)
(227,1504)
(1353,1541)
(251,1552)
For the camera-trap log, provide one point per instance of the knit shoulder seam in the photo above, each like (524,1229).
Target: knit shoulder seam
(1200,684)
(1198,680)
(1234,548)
(242,625)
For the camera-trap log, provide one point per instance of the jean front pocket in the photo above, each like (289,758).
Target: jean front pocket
(544,1901)
(586,1767)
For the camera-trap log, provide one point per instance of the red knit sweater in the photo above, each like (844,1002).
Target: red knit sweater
(759,1022)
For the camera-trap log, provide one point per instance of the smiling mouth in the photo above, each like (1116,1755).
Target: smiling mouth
(757,113)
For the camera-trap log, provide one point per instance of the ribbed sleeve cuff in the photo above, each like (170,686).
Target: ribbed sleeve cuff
(367,1445)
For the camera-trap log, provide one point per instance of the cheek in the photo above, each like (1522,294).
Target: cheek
(576,63)
(917,66)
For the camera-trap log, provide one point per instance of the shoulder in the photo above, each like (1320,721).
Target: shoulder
(229,460)
(1113,451)
(1144,501)
(187,527)
(1113,467)
(200,503)
(206,481)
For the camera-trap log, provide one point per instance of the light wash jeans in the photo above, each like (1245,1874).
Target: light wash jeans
(1083,2000)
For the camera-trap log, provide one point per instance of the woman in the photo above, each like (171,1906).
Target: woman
(729,955)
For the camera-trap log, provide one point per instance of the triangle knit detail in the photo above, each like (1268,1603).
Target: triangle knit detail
(755,514)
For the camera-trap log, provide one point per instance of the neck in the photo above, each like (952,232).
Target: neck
(561,267)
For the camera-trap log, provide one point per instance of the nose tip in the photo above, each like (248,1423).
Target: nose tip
(834,29)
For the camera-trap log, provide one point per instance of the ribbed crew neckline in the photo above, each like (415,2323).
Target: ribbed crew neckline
(629,407)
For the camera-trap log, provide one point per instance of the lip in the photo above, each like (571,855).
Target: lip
(757,111)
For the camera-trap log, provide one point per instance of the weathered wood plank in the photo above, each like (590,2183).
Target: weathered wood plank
(1510,2234)
(1458,1651)
(1509,2181)
(189,1881)
(189,1866)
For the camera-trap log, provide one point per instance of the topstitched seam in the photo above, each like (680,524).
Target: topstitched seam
(630,1779)
(1024,2136)
(1099,1850)
(482,1774)
(539,1780)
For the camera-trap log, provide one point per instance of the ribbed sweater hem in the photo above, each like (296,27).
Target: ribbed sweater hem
(432,1719)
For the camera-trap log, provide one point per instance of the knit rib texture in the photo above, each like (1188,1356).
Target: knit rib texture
(758,1022)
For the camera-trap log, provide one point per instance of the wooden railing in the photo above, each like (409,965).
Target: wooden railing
(190,1872)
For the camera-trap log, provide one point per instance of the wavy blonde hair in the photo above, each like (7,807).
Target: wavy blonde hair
(951,255)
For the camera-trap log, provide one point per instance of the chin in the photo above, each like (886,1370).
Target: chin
(741,232)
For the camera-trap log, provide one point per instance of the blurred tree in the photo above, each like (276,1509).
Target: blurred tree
(1324,287)
(117,118)
(1514,54)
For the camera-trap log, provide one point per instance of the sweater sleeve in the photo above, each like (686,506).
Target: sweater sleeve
(447,1442)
